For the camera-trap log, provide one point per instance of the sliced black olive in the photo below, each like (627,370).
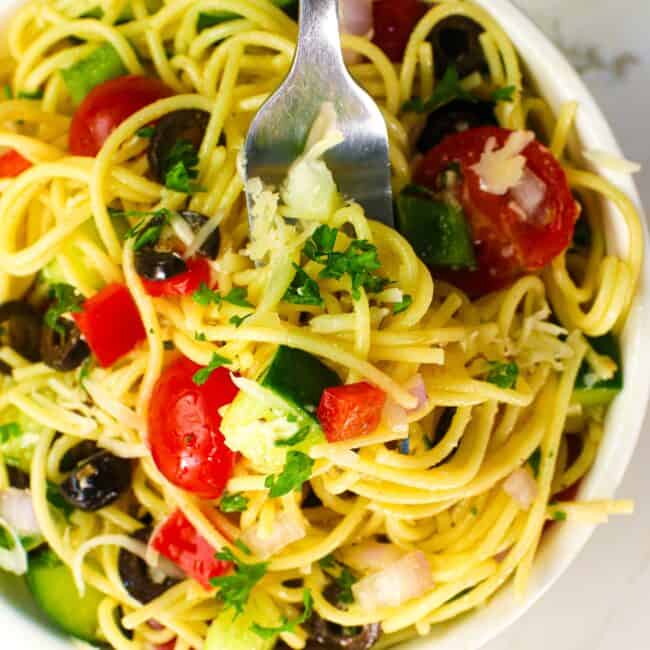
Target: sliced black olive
(23,327)
(5,368)
(65,351)
(18,478)
(456,42)
(97,482)
(210,247)
(136,576)
(455,117)
(77,454)
(158,265)
(325,635)
(186,125)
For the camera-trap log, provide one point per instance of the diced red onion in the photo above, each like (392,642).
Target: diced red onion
(395,417)
(529,194)
(400,582)
(372,556)
(522,487)
(287,529)
(415,385)
(356,19)
(17,510)
(155,625)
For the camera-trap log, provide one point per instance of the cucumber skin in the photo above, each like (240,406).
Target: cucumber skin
(299,378)
(604,391)
(51,583)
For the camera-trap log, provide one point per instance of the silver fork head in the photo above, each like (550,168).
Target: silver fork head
(360,164)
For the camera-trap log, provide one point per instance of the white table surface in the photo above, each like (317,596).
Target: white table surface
(603,601)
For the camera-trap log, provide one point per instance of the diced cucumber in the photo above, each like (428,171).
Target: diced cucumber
(99,66)
(268,418)
(228,633)
(438,231)
(299,378)
(595,393)
(54,589)
(18,450)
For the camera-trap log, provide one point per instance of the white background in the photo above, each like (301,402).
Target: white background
(603,601)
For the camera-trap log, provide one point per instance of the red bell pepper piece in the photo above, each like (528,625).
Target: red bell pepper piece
(180,542)
(183,284)
(350,411)
(111,324)
(12,164)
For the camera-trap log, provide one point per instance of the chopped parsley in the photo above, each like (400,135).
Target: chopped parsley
(6,89)
(146,131)
(65,300)
(147,231)
(235,589)
(242,547)
(344,582)
(55,498)
(303,289)
(535,461)
(503,375)
(327,562)
(447,90)
(201,376)
(86,369)
(200,336)
(505,94)
(287,625)
(30,94)
(205,296)
(6,540)
(233,502)
(237,321)
(474,511)
(559,515)
(181,167)
(403,305)
(360,261)
(238,296)
(296,438)
(297,470)
(9,431)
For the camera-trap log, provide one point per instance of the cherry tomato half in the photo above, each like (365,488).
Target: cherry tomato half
(12,164)
(106,106)
(350,411)
(508,241)
(183,284)
(394,21)
(184,429)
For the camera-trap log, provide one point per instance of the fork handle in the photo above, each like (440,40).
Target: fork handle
(319,40)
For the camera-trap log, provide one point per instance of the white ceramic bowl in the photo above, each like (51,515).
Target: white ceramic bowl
(23,627)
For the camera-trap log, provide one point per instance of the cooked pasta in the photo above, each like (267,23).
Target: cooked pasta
(482,438)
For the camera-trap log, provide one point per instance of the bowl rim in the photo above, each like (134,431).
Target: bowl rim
(556,78)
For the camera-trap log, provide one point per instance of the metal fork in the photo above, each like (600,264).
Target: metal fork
(277,136)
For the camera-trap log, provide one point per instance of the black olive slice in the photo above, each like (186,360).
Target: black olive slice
(158,265)
(63,351)
(325,635)
(136,576)
(456,42)
(210,247)
(186,125)
(455,117)
(77,454)
(23,327)
(17,478)
(97,482)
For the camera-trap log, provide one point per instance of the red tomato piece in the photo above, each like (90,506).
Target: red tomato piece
(12,164)
(106,106)
(350,411)
(180,542)
(508,242)
(111,324)
(183,284)
(394,21)
(184,429)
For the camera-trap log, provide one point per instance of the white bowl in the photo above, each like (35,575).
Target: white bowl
(23,627)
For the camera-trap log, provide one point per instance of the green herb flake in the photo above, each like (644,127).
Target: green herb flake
(55,498)
(6,89)
(200,336)
(503,375)
(233,502)
(327,562)
(238,321)
(559,515)
(180,167)
(6,539)
(205,296)
(447,90)
(405,303)
(146,132)
(344,583)
(287,625)
(201,376)
(297,470)
(148,231)
(535,461)
(238,296)
(303,290)
(30,94)
(242,547)
(65,300)
(235,589)
(9,431)
(505,94)
(474,511)
(296,438)
(85,370)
